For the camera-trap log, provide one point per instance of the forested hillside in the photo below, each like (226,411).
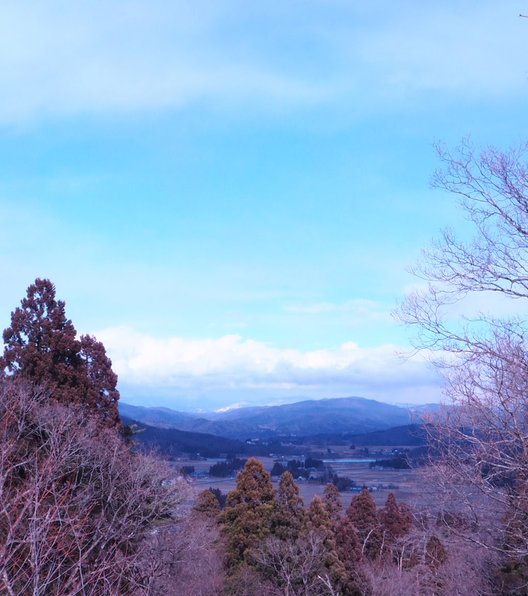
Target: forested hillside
(172,442)
(305,418)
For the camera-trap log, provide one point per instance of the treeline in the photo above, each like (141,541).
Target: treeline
(411,435)
(273,544)
(397,463)
(171,442)
(297,468)
(223,469)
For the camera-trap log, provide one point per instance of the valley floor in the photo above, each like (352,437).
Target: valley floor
(407,485)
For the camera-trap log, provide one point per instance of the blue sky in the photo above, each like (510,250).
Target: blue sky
(229,194)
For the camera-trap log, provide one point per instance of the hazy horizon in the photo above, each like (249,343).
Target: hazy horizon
(153,403)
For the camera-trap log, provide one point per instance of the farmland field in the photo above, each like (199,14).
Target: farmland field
(407,485)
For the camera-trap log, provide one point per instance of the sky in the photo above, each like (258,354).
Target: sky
(230,194)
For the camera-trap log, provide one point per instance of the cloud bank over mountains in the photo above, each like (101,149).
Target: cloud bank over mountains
(203,371)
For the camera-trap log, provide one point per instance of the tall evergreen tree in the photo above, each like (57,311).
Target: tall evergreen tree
(435,553)
(289,512)
(101,393)
(248,513)
(394,523)
(348,549)
(207,505)
(332,502)
(407,517)
(363,515)
(318,521)
(41,346)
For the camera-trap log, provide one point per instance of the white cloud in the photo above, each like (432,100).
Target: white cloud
(472,49)
(359,310)
(232,363)
(61,58)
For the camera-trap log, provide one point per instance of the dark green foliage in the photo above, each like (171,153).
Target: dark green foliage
(278,469)
(407,516)
(318,519)
(222,469)
(327,475)
(275,543)
(411,435)
(398,463)
(311,462)
(101,391)
(172,442)
(294,567)
(220,496)
(342,483)
(41,344)
(348,548)
(297,469)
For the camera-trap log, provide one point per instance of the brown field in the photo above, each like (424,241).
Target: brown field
(407,485)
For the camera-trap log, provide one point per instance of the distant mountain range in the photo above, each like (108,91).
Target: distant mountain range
(347,415)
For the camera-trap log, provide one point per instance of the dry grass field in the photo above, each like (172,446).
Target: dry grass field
(407,485)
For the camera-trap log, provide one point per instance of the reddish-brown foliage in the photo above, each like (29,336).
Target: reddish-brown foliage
(332,502)
(75,503)
(41,346)
(288,515)
(207,505)
(363,515)
(394,522)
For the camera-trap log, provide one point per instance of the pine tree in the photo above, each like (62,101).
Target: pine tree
(289,512)
(348,548)
(207,505)
(248,513)
(363,515)
(393,522)
(41,344)
(101,393)
(319,522)
(332,502)
(41,347)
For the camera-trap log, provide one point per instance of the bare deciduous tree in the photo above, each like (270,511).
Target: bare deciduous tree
(185,558)
(295,566)
(482,436)
(76,505)
(463,571)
